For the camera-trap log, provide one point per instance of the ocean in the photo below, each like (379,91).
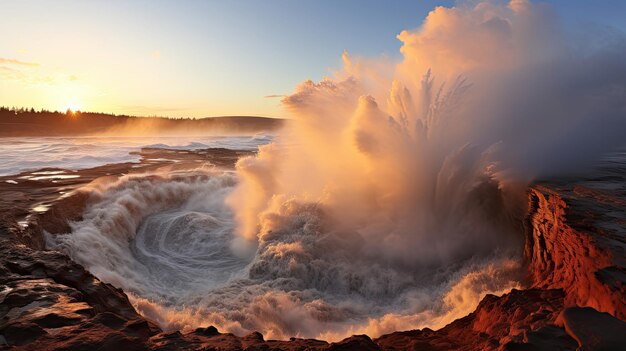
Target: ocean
(73,153)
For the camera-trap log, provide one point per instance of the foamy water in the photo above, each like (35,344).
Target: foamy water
(169,241)
(24,153)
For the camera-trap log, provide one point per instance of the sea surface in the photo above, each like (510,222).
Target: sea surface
(32,153)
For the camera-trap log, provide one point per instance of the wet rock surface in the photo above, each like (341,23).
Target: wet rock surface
(49,302)
(575,300)
(577,242)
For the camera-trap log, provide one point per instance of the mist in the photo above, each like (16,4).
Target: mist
(427,156)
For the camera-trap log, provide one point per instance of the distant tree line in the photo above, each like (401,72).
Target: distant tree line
(30,122)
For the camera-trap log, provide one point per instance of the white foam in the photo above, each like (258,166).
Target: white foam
(41,208)
(55,176)
(168,241)
(73,153)
(48,172)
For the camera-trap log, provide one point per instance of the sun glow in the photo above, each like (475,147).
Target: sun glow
(72,107)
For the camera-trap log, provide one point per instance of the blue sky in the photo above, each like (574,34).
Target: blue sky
(200,58)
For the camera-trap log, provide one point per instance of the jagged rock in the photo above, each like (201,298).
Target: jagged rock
(355,343)
(48,302)
(208,331)
(521,319)
(566,250)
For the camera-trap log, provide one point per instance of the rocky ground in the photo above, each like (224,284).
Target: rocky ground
(575,297)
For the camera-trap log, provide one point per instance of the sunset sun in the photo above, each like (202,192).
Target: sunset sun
(72,107)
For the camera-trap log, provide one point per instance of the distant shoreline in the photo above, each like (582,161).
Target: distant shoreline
(30,123)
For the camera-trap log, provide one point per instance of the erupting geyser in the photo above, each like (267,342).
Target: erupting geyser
(391,200)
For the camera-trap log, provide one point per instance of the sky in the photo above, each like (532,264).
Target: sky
(204,58)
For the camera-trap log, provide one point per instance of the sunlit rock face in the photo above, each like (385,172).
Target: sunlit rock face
(575,243)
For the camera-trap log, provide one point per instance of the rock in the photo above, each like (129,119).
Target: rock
(594,330)
(208,331)
(521,319)
(564,250)
(22,333)
(254,342)
(254,336)
(355,343)
(48,302)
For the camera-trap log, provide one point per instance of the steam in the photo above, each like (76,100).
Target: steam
(391,201)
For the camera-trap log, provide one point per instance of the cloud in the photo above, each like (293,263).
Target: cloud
(10,61)
(10,73)
(31,72)
(25,76)
(13,69)
(274,96)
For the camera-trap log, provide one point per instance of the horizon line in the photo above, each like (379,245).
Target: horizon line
(78,111)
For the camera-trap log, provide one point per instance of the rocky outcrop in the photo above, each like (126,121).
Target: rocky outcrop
(568,248)
(49,302)
(518,320)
